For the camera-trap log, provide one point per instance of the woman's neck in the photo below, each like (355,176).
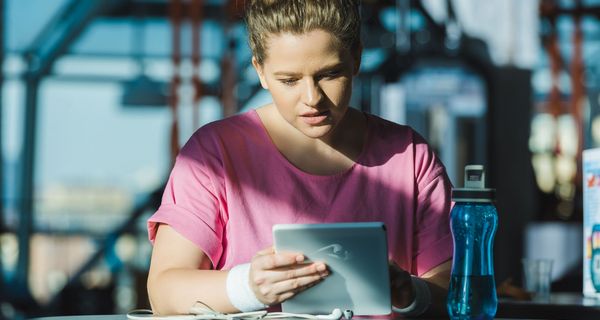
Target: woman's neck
(333,153)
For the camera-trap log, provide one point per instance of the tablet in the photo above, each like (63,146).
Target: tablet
(357,258)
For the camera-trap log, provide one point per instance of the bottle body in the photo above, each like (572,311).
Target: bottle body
(472,291)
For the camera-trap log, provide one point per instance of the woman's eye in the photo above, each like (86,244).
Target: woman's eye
(331,75)
(288,82)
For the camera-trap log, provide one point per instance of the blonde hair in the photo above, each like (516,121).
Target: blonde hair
(271,17)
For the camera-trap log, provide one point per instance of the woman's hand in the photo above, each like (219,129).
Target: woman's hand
(401,285)
(276,277)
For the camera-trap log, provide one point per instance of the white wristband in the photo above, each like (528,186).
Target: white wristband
(238,289)
(421,302)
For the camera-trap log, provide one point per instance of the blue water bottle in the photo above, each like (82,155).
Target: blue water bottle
(473,221)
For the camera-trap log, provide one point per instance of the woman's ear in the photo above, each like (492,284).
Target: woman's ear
(261,75)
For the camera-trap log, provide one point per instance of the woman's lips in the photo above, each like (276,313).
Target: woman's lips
(314,117)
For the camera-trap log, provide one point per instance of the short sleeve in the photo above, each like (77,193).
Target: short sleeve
(433,238)
(190,203)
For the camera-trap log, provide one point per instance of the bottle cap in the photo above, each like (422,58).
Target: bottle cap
(474,190)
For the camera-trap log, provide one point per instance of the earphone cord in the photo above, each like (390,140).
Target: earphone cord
(144,314)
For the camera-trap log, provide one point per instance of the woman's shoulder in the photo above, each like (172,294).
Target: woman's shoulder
(402,139)
(238,123)
(397,138)
(237,126)
(227,133)
(389,130)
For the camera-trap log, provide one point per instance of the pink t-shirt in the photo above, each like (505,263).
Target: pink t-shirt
(230,185)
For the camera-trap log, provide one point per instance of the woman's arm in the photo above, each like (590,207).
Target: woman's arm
(180,276)
(437,279)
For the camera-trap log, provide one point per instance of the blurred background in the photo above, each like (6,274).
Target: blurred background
(98,95)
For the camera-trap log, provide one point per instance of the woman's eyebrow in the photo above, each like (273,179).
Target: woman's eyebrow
(331,67)
(286,73)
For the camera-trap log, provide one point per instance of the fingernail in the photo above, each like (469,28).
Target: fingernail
(299,258)
(321,267)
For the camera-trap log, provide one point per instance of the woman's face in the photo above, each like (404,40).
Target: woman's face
(310,79)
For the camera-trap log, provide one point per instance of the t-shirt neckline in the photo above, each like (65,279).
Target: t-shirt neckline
(291,166)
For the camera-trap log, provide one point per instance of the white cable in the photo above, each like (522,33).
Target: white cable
(336,314)
(147,314)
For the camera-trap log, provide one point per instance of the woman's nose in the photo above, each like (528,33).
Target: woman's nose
(312,93)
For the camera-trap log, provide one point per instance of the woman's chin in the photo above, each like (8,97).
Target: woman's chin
(316,132)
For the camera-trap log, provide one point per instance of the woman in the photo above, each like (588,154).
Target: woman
(305,158)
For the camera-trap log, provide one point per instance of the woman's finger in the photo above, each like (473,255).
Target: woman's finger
(277,260)
(298,270)
(287,295)
(266,251)
(295,285)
